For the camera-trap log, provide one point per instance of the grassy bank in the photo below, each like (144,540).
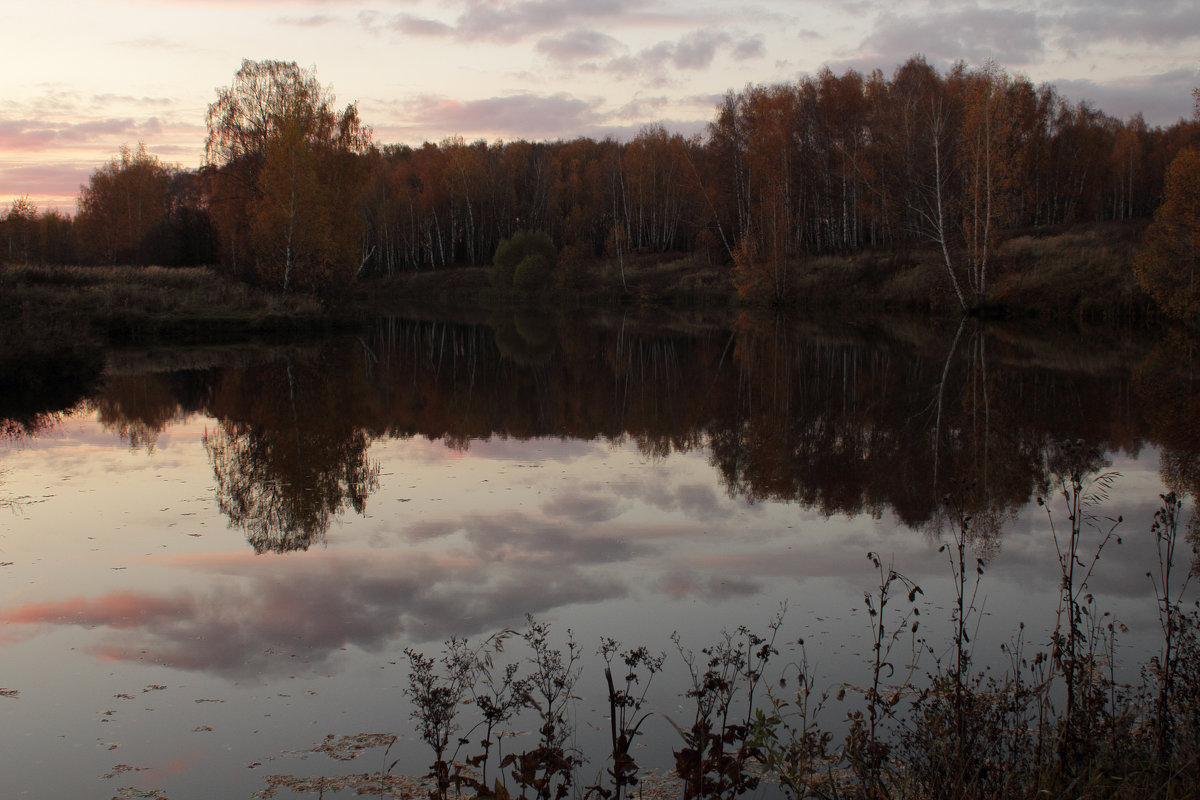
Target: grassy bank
(78,306)
(1080,272)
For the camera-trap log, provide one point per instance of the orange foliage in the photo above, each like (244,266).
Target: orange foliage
(1168,266)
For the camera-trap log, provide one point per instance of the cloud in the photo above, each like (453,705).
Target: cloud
(576,46)
(695,50)
(35,135)
(419,26)
(510,22)
(1157,24)
(972,34)
(43,182)
(108,99)
(641,108)
(747,49)
(312,21)
(522,115)
(1162,99)
(503,22)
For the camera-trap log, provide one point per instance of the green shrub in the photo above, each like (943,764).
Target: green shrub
(525,261)
(533,273)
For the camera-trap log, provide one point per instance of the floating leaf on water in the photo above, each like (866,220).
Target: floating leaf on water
(348,748)
(121,769)
(133,793)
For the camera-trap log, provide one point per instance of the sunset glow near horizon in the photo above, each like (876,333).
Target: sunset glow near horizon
(92,77)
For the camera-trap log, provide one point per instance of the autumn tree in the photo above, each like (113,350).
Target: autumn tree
(121,203)
(1168,266)
(20,231)
(185,237)
(56,237)
(287,178)
(929,120)
(987,162)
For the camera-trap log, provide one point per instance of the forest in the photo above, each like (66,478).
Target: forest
(294,194)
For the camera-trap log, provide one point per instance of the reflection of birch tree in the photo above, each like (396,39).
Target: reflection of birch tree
(968,446)
(283,488)
(288,455)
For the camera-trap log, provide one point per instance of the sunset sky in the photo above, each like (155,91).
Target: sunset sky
(83,78)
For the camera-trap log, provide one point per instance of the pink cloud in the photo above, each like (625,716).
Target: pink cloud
(32,134)
(45,182)
(118,610)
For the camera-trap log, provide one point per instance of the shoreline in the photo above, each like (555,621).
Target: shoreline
(1080,273)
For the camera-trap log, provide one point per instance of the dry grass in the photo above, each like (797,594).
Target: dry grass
(148,290)
(1084,273)
(63,306)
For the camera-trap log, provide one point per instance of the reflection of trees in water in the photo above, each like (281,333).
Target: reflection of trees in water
(841,419)
(290,452)
(37,389)
(137,408)
(847,419)
(283,490)
(851,425)
(1168,384)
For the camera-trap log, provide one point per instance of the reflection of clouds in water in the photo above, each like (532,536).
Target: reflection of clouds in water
(678,584)
(517,536)
(306,610)
(501,448)
(1027,552)
(503,537)
(694,500)
(582,507)
(474,573)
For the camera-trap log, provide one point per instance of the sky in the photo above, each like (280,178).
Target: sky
(84,78)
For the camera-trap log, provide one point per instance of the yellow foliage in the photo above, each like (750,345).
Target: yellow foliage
(1167,265)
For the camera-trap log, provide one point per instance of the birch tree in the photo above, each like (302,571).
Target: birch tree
(287,177)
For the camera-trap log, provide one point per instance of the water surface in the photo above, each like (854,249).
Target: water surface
(215,559)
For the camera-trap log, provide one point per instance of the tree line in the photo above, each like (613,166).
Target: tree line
(295,194)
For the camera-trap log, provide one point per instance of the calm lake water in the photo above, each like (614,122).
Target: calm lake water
(215,559)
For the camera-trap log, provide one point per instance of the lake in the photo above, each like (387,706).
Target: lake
(215,559)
